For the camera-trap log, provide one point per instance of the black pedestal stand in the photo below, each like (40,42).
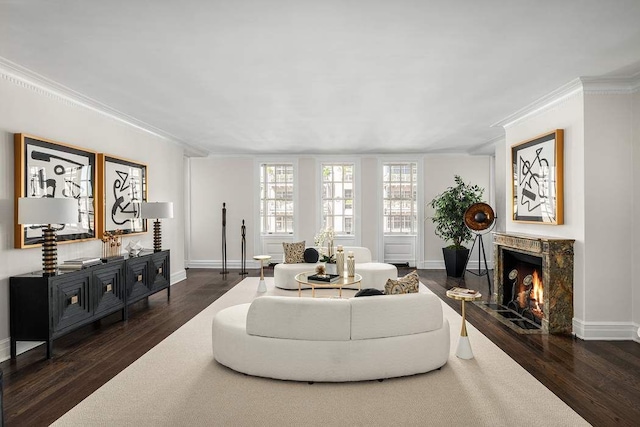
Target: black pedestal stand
(224,239)
(243,266)
(481,253)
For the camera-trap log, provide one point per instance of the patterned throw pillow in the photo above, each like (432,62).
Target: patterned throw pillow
(405,285)
(293,252)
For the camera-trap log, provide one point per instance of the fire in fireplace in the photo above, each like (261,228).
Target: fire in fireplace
(523,291)
(528,296)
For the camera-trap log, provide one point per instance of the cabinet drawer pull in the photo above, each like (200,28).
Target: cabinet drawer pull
(74,299)
(108,288)
(139,278)
(159,270)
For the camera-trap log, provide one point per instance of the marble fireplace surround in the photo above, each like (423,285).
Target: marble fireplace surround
(557,275)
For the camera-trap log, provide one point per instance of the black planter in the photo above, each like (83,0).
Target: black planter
(455,261)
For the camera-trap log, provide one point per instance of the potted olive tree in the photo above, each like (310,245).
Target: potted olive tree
(448,217)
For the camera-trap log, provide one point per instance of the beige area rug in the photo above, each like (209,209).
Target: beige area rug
(178,383)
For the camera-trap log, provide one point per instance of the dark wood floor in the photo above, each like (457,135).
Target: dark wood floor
(600,380)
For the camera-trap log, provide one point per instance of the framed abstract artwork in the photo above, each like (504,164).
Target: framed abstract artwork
(45,168)
(537,179)
(123,186)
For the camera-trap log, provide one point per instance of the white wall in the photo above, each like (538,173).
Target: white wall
(24,109)
(233,180)
(226,180)
(601,194)
(636,208)
(609,215)
(502,186)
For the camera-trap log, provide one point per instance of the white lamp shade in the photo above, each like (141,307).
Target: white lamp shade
(154,210)
(47,210)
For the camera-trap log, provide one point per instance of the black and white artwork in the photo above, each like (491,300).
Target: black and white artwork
(537,179)
(56,170)
(125,187)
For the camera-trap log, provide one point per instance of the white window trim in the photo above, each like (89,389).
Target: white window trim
(256,198)
(357,199)
(419,235)
(415,232)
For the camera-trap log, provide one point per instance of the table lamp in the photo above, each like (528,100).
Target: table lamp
(43,212)
(156,210)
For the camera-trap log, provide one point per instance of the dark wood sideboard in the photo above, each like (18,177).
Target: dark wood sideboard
(43,308)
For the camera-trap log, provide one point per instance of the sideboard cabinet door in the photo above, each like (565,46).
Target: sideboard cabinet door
(161,271)
(109,288)
(70,300)
(138,280)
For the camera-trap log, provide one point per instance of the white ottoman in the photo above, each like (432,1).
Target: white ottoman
(376,274)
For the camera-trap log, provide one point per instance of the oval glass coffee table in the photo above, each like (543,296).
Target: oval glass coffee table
(344,281)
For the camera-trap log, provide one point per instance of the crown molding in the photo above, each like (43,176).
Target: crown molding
(622,85)
(28,79)
(552,98)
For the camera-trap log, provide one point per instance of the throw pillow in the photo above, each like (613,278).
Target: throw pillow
(293,252)
(405,285)
(311,255)
(368,292)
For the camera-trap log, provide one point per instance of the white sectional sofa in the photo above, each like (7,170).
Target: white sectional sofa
(374,274)
(333,340)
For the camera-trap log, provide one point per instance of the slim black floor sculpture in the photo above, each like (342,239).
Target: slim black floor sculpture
(224,239)
(243,267)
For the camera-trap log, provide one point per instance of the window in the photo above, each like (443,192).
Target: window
(399,184)
(276,198)
(337,197)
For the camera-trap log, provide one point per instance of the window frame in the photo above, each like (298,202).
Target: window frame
(414,210)
(263,202)
(344,199)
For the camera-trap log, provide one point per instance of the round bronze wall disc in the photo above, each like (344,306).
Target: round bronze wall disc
(479,216)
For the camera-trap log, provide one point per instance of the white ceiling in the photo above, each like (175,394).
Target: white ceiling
(324,76)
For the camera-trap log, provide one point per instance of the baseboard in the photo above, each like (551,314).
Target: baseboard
(178,276)
(606,331)
(235,264)
(21,347)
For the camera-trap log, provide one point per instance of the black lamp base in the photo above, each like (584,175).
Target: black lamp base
(49,252)
(157,236)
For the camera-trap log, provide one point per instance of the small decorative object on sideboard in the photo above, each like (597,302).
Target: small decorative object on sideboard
(111,244)
(79,263)
(351,265)
(133,248)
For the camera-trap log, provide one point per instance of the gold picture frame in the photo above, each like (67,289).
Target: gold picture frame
(46,168)
(122,185)
(537,179)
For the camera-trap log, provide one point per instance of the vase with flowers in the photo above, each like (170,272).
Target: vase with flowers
(324,242)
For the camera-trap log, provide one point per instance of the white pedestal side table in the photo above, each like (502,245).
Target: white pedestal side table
(262,287)
(464,346)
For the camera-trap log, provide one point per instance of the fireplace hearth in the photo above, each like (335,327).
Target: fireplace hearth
(533,279)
